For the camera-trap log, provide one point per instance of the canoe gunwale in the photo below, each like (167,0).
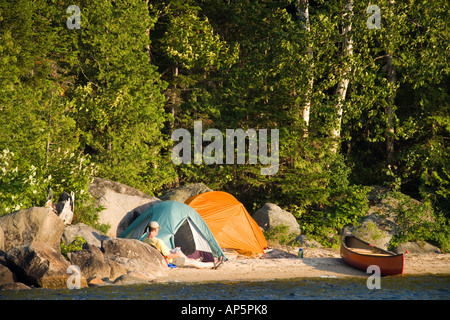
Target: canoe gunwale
(389,263)
(370,247)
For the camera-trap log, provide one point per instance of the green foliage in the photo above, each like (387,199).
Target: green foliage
(104,99)
(87,213)
(344,209)
(75,245)
(419,222)
(190,40)
(280,234)
(118,100)
(349,207)
(19,187)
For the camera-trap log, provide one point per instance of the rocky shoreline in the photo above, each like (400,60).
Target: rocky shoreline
(31,255)
(114,261)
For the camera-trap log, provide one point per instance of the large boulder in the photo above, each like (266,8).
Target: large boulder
(183,193)
(136,257)
(376,229)
(270,216)
(121,203)
(381,222)
(38,264)
(14,286)
(131,279)
(419,247)
(32,224)
(306,242)
(91,235)
(116,270)
(91,262)
(6,275)
(2,240)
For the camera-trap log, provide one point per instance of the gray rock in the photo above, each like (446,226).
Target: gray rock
(6,275)
(32,224)
(116,269)
(91,235)
(135,256)
(270,215)
(2,239)
(381,222)
(304,242)
(421,247)
(376,229)
(183,193)
(121,204)
(91,262)
(40,265)
(132,279)
(14,286)
(376,194)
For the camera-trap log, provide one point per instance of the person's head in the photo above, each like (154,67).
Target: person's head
(153,229)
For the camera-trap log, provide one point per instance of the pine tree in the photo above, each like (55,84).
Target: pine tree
(38,137)
(119,104)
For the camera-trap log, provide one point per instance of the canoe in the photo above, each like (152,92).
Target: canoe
(361,255)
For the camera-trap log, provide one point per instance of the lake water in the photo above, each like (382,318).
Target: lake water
(392,288)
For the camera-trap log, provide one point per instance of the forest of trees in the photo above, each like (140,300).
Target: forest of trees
(359,92)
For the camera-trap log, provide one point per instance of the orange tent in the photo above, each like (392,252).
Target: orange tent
(229,222)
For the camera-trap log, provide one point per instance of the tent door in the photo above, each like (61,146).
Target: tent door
(184,238)
(192,242)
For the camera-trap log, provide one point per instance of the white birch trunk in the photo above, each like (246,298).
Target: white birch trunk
(392,79)
(304,10)
(341,90)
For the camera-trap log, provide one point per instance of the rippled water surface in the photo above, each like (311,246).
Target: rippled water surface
(404,288)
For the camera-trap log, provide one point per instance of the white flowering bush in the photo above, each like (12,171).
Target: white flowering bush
(23,187)
(19,187)
(70,172)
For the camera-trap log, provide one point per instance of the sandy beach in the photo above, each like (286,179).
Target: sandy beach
(282,263)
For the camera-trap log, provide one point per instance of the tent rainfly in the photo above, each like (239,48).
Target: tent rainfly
(229,221)
(181,226)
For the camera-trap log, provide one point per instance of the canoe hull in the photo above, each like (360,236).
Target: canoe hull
(388,262)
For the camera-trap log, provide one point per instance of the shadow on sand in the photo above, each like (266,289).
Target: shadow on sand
(331,266)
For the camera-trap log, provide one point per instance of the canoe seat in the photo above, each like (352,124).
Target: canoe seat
(368,251)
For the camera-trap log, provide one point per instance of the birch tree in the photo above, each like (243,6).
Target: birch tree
(392,79)
(342,86)
(304,11)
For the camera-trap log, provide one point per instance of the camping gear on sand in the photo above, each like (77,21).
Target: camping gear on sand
(229,222)
(180,226)
(361,255)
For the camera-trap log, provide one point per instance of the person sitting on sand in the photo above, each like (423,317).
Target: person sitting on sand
(175,256)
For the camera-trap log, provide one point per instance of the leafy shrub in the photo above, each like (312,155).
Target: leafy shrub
(75,245)
(419,222)
(19,187)
(25,186)
(280,234)
(346,208)
(88,214)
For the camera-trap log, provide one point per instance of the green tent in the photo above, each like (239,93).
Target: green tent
(181,226)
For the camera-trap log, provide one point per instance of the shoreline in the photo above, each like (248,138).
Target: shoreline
(282,264)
